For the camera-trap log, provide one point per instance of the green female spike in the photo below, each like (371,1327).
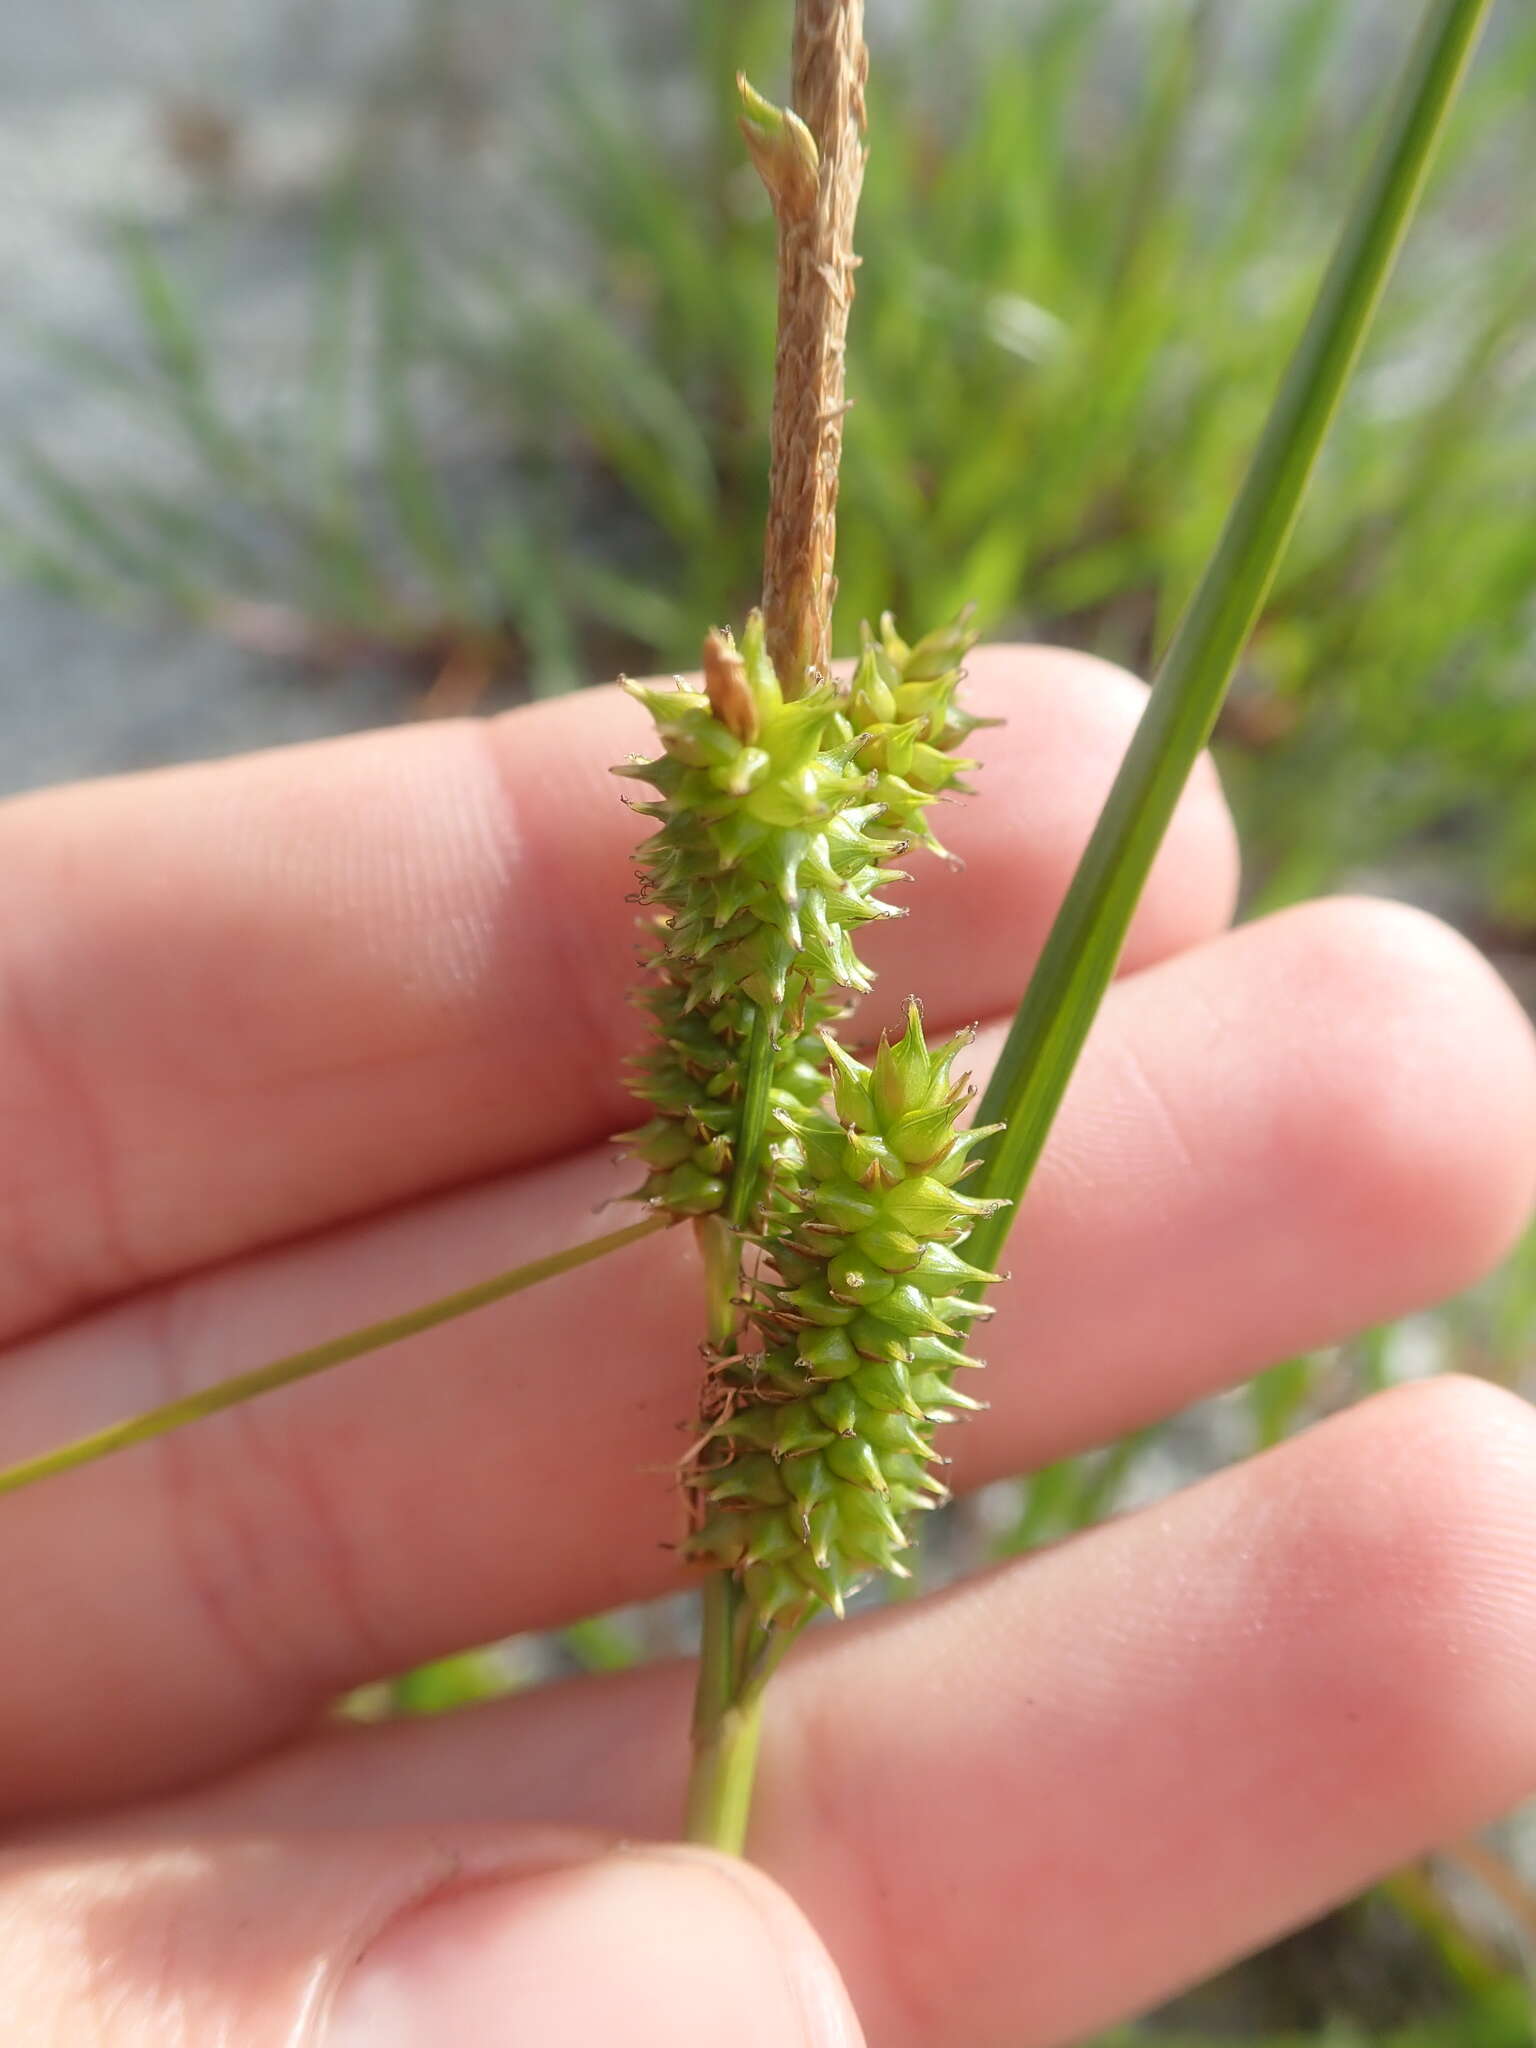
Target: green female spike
(830,1424)
(767,856)
(778,820)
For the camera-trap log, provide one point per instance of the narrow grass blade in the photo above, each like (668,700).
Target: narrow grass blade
(183,357)
(126,531)
(445,1685)
(338,565)
(78,515)
(416,494)
(303,1365)
(1085,942)
(635,606)
(527,572)
(599,1643)
(1180,61)
(33,558)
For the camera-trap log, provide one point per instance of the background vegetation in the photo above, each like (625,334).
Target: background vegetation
(524,445)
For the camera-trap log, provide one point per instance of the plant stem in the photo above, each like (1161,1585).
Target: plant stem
(737,1657)
(812,163)
(1079,959)
(725,1729)
(720,1255)
(718,1236)
(752,1130)
(814,207)
(303,1365)
(727,1707)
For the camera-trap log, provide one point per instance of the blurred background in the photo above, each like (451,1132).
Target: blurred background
(378,359)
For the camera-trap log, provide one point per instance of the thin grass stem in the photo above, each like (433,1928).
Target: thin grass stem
(303,1365)
(726,1717)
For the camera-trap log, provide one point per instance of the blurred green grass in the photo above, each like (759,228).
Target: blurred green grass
(1502,2022)
(1089,235)
(1088,244)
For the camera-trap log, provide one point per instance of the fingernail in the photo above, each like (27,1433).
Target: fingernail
(648,1948)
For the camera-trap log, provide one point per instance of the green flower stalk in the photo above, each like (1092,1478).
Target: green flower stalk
(782,801)
(819,1445)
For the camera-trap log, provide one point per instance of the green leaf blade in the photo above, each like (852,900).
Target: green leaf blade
(1085,943)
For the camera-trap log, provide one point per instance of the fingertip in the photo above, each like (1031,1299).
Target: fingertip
(1418,1116)
(1418,1515)
(1066,719)
(819,1996)
(651,1946)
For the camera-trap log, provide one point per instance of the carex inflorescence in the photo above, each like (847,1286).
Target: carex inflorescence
(779,819)
(819,1438)
(770,848)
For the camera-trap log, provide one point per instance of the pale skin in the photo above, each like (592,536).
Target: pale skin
(290,1043)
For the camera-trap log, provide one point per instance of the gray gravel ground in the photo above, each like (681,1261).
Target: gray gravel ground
(85,91)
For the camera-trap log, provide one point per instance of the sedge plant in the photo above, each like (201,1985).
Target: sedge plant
(850,1213)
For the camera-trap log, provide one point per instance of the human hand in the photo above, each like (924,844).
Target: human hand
(291,1043)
